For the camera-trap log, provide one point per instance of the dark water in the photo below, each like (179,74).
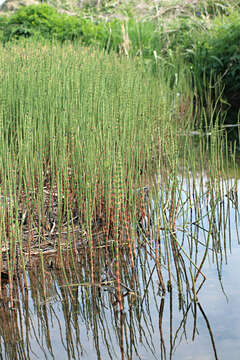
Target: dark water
(63,315)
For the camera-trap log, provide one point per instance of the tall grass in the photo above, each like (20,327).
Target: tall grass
(82,133)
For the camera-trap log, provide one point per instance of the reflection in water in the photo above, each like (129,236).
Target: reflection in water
(74,313)
(79,314)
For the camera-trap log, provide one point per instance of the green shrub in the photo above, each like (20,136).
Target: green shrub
(223,51)
(136,38)
(41,21)
(217,56)
(2,19)
(3,22)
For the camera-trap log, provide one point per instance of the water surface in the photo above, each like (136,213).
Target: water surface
(63,315)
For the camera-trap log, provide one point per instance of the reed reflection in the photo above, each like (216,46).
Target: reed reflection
(74,311)
(71,313)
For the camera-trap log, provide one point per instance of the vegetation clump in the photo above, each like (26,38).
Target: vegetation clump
(41,21)
(84,131)
(217,56)
(208,40)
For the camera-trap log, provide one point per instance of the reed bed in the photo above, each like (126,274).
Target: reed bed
(83,135)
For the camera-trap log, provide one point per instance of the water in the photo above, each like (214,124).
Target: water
(63,316)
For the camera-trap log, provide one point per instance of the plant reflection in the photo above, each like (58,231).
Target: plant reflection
(74,313)
(76,306)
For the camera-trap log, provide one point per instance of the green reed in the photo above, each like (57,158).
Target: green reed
(82,134)
(183,217)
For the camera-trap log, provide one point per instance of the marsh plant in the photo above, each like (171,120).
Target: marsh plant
(83,135)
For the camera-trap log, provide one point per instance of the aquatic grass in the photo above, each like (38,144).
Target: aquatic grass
(94,150)
(29,133)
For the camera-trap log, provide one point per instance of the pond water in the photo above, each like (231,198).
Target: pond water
(65,315)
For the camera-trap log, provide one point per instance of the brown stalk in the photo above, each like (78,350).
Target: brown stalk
(160,320)
(91,256)
(158,265)
(129,241)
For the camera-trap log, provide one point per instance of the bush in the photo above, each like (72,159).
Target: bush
(3,20)
(136,38)
(41,21)
(217,56)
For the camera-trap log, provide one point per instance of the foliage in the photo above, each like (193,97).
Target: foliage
(131,37)
(215,58)
(213,8)
(3,21)
(41,21)
(208,40)
(99,125)
(221,51)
